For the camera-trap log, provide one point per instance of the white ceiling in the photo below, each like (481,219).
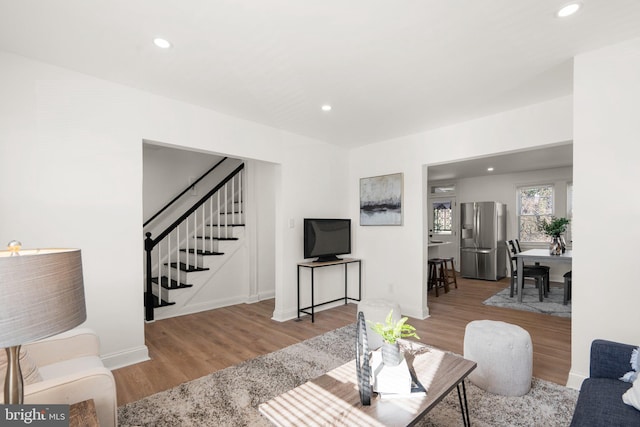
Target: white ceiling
(388,68)
(532,160)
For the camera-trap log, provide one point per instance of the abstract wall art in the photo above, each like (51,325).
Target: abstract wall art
(381,200)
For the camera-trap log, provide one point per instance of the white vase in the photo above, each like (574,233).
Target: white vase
(391,354)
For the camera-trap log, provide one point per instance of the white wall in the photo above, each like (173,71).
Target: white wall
(261,190)
(606,168)
(71,175)
(317,182)
(393,255)
(166,172)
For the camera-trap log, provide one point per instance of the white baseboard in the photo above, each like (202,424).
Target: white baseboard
(175,311)
(285,315)
(126,357)
(575,380)
(266,295)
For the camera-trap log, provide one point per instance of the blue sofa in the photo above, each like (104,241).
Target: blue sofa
(600,401)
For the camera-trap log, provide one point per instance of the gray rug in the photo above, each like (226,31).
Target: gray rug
(230,397)
(551,305)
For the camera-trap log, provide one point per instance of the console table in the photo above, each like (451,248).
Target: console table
(313,266)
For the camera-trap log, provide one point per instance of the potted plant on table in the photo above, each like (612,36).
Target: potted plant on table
(555,228)
(390,332)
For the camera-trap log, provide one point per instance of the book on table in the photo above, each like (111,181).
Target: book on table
(394,381)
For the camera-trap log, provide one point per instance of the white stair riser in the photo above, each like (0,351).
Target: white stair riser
(191,259)
(224,232)
(174,274)
(229,218)
(160,292)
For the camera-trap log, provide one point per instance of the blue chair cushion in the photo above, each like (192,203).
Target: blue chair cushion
(600,404)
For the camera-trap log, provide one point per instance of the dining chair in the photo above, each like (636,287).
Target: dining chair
(567,287)
(539,274)
(515,249)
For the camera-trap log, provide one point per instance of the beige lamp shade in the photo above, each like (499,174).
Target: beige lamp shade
(41,294)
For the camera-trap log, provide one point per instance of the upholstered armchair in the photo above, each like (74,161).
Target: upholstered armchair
(66,369)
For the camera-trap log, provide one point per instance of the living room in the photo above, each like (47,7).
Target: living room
(71,176)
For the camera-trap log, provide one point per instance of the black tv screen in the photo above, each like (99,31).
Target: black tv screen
(326,238)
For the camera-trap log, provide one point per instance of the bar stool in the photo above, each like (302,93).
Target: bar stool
(567,287)
(437,275)
(449,272)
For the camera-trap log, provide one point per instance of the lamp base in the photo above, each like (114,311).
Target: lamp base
(13,386)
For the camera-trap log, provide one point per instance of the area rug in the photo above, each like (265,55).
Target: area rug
(551,305)
(230,397)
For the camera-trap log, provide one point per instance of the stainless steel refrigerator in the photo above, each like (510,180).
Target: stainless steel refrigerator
(483,230)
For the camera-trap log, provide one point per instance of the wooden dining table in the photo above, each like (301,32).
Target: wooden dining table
(536,255)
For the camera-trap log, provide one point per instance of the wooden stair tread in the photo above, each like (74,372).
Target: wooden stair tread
(216,238)
(159,303)
(164,282)
(201,252)
(188,269)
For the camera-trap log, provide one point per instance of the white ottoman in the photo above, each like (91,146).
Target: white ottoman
(376,310)
(504,355)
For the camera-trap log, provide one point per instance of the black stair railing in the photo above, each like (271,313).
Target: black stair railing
(218,199)
(183,192)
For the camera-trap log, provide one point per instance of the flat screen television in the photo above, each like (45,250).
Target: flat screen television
(326,238)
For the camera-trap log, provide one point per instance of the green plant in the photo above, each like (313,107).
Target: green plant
(555,227)
(390,331)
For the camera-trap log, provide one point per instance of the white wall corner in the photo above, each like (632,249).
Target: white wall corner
(420,313)
(425,313)
(266,295)
(284,315)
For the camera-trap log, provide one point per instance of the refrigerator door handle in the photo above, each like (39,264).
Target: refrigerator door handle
(477,250)
(479,230)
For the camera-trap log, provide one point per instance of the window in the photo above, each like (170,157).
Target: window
(535,203)
(442,217)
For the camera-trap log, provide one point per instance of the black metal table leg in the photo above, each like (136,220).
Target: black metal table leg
(359,280)
(298,293)
(464,405)
(345,284)
(313,311)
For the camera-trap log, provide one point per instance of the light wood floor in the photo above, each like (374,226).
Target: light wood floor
(188,347)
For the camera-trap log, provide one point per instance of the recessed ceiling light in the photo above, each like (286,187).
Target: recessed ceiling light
(568,10)
(161,43)
(490,169)
(326,107)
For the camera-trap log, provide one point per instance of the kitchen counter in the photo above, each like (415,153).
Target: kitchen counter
(433,243)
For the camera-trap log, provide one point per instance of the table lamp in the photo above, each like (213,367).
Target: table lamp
(41,294)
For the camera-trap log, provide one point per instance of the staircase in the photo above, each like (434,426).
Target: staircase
(191,264)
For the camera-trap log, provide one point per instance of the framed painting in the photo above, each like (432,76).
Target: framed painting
(381,200)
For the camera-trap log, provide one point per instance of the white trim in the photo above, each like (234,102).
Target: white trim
(125,358)
(575,380)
